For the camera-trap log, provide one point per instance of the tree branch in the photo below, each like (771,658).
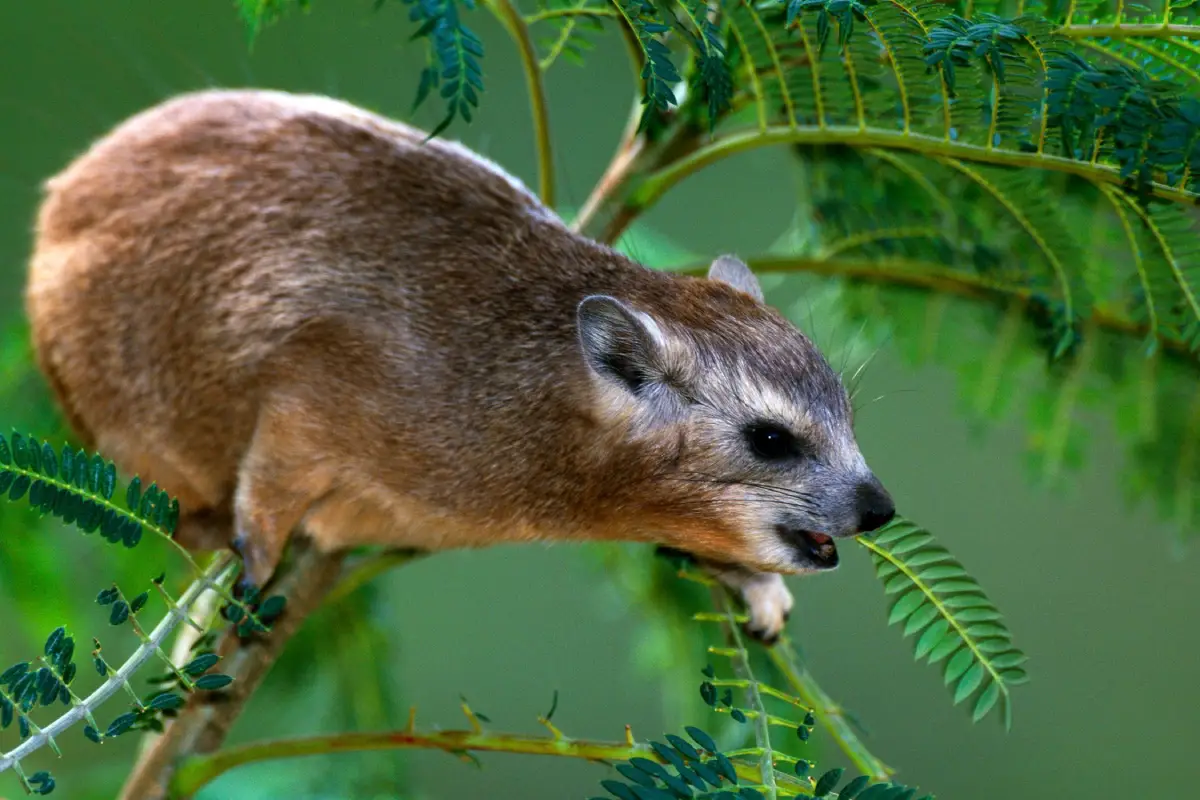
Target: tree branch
(203,724)
(622,165)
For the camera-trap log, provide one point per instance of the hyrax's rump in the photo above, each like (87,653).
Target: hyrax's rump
(293,313)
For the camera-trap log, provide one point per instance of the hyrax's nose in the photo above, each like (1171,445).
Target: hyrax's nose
(875,507)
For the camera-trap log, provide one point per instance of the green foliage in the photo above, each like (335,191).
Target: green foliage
(711,75)
(704,769)
(698,767)
(455,52)
(936,598)
(658,68)
(454,49)
(78,488)
(47,681)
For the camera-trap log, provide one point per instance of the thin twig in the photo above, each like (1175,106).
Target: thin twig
(618,171)
(1130,31)
(362,571)
(198,771)
(558,13)
(762,720)
(512,20)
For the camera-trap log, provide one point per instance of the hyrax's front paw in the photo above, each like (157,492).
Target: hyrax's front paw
(767,598)
(260,548)
(770,604)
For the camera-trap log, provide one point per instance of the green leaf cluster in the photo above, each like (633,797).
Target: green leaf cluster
(79,490)
(697,767)
(936,598)
(703,768)
(257,14)
(455,51)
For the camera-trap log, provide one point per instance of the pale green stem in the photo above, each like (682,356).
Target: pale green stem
(1130,31)
(657,184)
(366,570)
(556,13)
(762,720)
(511,18)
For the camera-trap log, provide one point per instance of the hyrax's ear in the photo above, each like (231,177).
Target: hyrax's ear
(733,271)
(619,343)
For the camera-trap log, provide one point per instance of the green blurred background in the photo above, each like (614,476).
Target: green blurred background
(1099,595)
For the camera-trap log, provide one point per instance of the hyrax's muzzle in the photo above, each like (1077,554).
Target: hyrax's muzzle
(871,509)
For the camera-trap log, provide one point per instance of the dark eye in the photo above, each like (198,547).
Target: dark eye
(771,442)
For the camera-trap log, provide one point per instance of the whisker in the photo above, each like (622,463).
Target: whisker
(885,394)
(848,348)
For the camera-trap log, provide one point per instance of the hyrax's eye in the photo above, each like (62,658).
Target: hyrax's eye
(771,442)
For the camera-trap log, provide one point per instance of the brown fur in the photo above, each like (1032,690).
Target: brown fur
(290,312)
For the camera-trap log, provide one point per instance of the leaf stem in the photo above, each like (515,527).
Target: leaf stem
(1129,31)
(356,575)
(555,13)
(619,168)
(511,18)
(762,720)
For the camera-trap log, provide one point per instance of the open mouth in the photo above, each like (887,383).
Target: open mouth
(815,548)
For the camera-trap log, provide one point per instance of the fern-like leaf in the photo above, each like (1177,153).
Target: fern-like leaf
(936,598)
(658,69)
(712,74)
(81,490)
(455,51)
(78,488)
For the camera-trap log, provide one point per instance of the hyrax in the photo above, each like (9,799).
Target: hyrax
(294,314)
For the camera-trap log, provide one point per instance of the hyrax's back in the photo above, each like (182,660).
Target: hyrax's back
(210,256)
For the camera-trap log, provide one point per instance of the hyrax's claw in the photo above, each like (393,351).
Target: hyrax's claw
(765,596)
(245,587)
(257,565)
(761,635)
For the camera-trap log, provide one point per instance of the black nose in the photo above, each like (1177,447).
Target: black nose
(875,507)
